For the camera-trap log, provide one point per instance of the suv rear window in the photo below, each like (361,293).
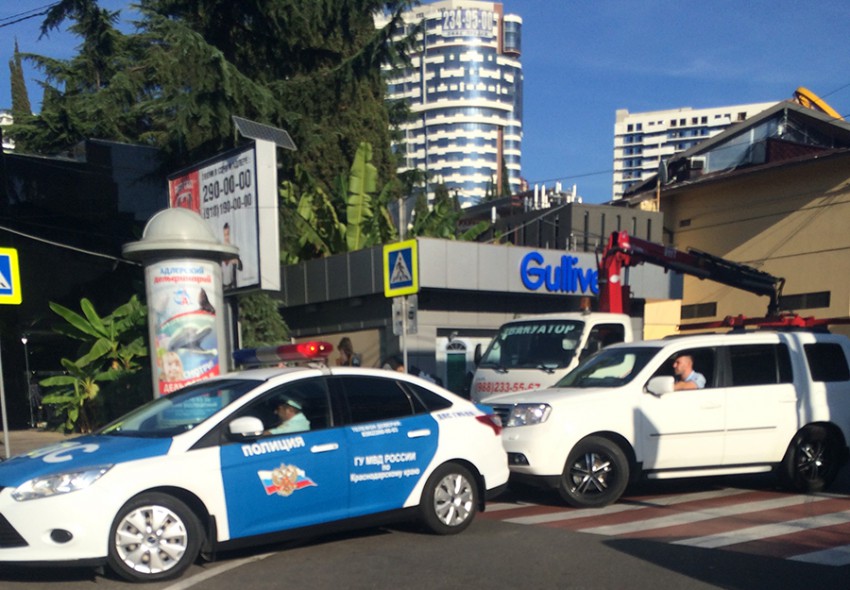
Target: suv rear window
(760,364)
(827,362)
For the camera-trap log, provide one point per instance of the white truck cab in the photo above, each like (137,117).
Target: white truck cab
(535,352)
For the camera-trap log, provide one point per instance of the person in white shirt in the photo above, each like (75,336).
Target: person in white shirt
(291,416)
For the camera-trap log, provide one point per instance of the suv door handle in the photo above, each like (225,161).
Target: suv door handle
(324,448)
(419,433)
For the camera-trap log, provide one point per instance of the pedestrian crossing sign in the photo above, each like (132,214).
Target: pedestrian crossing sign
(401,269)
(10,281)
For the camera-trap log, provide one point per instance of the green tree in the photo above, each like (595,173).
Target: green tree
(112,346)
(261,321)
(21,108)
(311,67)
(317,220)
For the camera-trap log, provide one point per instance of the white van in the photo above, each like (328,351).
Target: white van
(535,352)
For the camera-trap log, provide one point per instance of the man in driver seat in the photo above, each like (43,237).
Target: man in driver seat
(292,419)
(686,377)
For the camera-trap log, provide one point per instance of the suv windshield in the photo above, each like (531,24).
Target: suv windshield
(180,411)
(533,344)
(609,368)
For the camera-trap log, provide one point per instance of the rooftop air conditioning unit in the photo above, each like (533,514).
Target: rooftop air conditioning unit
(697,163)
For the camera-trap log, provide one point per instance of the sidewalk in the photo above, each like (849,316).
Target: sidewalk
(24,441)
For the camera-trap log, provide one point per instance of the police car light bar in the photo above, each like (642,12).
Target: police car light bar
(300,352)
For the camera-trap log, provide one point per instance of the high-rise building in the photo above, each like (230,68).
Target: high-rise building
(642,140)
(5,120)
(464,88)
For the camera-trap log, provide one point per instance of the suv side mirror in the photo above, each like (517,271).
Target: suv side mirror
(477,357)
(661,385)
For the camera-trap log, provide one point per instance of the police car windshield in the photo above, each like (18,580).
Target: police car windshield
(181,410)
(612,367)
(533,344)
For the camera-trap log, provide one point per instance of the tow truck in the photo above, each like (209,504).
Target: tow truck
(535,352)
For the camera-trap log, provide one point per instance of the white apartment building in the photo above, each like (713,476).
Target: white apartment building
(6,119)
(642,140)
(464,88)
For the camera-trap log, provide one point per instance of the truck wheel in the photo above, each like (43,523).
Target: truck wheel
(812,460)
(596,473)
(153,537)
(449,500)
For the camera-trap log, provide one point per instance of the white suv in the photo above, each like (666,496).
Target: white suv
(772,401)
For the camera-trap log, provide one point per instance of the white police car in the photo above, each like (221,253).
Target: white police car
(201,471)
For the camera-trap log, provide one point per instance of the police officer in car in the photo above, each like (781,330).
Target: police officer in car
(292,419)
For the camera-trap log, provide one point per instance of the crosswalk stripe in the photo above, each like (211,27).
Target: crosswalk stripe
(768,530)
(699,515)
(836,556)
(502,506)
(625,506)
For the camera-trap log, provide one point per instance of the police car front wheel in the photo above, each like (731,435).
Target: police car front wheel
(153,537)
(450,500)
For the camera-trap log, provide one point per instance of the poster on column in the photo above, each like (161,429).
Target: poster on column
(185,330)
(223,191)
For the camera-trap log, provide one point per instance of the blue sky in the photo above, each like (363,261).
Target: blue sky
(584,60)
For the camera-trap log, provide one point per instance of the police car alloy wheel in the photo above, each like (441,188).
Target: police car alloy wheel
(450,500)
(595,474)
(154,537)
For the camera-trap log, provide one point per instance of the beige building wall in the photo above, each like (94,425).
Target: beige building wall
(661,318)
(791,221)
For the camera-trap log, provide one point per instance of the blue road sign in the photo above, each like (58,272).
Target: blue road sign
(10,280)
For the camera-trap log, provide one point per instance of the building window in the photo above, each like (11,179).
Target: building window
(804,300)
(699,310)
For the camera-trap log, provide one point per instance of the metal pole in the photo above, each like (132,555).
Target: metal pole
(29,382)
(404,332)
(3,409)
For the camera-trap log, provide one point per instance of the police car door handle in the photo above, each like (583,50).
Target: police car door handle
(419,433)
(324,448)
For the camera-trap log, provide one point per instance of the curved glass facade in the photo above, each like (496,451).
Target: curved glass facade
(464,87)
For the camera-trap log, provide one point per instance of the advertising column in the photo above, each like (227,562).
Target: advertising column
(183,282)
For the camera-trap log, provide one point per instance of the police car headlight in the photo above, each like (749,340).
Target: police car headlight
(58,483)
(528,414)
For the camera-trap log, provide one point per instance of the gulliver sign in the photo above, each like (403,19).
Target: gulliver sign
(563,278)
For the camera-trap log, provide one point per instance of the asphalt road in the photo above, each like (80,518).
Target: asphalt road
(492,553)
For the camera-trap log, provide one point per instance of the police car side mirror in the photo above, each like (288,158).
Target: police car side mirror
(661,385)
(245,427)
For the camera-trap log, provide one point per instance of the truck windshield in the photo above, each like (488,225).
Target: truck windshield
(612,367)
(534,344)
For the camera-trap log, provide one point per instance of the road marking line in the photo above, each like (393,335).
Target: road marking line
(699,515)
(212,572)
(833,556)
(501,506)
(626,506)
(757,533)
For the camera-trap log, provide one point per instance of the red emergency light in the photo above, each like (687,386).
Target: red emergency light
(286,353)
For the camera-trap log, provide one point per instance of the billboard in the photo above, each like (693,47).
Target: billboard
(228,191)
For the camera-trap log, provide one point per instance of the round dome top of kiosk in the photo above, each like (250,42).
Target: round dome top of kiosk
(178,232)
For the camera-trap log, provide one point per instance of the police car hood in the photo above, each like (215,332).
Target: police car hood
(79,453)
